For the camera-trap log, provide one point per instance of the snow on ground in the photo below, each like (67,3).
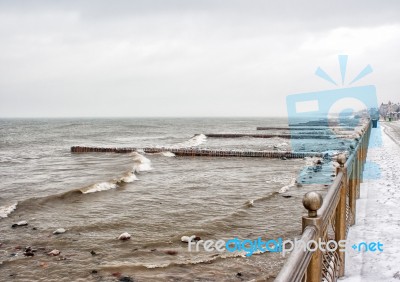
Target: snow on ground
(378,215)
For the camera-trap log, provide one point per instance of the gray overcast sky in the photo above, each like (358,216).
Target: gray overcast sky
(187,58)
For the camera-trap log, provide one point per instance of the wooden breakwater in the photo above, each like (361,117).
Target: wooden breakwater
(195,152)
(85,149)
(284,136)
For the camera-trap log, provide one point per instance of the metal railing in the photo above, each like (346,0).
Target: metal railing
(328,220)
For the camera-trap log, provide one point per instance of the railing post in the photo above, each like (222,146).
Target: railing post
(362,158)
(364,147)
(353,192)
(312,201)
(340,214)
(358,172)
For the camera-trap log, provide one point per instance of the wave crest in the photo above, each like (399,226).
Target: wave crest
(168,154)
(196,140)
(6,210)
(102,186)
(141,163)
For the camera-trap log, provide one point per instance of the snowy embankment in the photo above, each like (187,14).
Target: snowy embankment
(378,213)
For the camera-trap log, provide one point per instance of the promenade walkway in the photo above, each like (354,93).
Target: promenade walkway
(378,213)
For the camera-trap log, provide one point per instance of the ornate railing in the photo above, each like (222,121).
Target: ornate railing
(328,220)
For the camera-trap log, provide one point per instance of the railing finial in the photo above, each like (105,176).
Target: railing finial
(341,159)
(312,201)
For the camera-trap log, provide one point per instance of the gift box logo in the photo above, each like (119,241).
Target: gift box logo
(330,115)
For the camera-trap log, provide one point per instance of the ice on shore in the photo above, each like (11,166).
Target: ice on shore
(59,231)
(124,236)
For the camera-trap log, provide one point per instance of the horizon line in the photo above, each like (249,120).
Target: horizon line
(103,117)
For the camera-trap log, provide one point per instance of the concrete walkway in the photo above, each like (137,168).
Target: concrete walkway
(378,212)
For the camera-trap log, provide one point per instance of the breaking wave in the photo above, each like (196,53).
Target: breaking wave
(128,177)
(103,186)
(196,140)
(141,163)
(287,187)
(6,210)
(168,154)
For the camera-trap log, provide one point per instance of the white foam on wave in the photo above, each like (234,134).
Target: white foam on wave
(168,154)
(287,187)
(128,177)
(103,186)
(281,146)
(192,142)
(6,210)
(141,162)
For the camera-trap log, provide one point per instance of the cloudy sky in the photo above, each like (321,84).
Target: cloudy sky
(187,58)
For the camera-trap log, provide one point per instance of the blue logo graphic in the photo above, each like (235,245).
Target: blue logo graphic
(368,247)
(332,119)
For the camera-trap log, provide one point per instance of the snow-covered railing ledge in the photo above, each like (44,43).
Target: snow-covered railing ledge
(330,219)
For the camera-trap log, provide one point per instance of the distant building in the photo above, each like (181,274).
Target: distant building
(390,110)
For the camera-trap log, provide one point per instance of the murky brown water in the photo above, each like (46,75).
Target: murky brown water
(214,198)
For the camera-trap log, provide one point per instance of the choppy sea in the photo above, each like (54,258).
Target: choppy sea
(156,198)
